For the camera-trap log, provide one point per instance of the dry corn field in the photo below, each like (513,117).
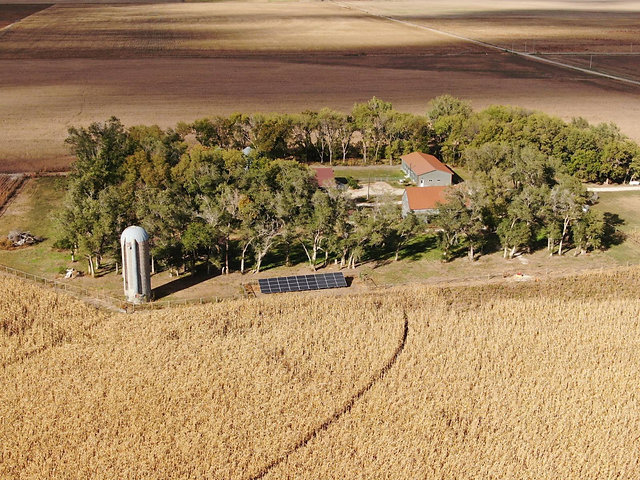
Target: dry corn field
(8,185)
(509,381)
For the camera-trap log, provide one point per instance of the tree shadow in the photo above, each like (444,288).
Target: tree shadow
(181,283)
(612,236)
(277,256)
(456,179)
(414,250)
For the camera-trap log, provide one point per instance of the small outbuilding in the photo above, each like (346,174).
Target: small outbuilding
(325,177)
(422,201)
(426,170)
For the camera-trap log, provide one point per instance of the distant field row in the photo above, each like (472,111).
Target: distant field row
(12,13)
(539,25)
(205,29)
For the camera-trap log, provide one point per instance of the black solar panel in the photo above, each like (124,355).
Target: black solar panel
(301,283)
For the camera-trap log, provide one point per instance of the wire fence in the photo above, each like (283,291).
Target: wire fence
(75,290)
(160,304)
(104,299)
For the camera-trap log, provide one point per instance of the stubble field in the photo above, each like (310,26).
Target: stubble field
(544,26)
(12,13)
(496,381)
(163,63)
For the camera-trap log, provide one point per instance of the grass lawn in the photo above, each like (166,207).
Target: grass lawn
(33,211)
(375,172)
(627,206)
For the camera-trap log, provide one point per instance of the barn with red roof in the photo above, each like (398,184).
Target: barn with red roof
(423,201)
(426,170)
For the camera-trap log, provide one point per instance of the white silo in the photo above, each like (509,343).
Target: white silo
(136,264)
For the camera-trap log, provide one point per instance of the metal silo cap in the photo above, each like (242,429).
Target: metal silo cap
(136,233)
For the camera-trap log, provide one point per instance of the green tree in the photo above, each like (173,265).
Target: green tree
(200,238)
(372,119)
(317,228)
(589,232)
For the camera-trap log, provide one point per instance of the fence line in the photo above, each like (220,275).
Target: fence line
(86,294)
(80,292)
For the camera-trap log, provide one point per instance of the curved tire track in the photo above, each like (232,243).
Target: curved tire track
(346,408)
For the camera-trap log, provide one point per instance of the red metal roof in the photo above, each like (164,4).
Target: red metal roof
(325,176)
(425,198)
(422,163)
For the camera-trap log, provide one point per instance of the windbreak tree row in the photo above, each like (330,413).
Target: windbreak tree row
(206,204)
(520,198)
(373,132)
(205,197)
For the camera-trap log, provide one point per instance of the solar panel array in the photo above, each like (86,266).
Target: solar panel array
(300,283)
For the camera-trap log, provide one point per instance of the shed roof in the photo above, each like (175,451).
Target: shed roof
(425,198)
(422,163)
(325,176)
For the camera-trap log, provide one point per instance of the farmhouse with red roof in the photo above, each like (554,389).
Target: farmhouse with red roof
(422,201)
(426,170)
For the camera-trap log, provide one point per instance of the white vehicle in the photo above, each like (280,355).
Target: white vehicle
(634,182)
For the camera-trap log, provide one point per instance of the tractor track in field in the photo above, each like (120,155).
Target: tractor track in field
(346,408)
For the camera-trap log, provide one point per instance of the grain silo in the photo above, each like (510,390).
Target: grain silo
(136,265)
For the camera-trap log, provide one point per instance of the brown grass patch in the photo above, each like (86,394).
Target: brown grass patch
(8,186)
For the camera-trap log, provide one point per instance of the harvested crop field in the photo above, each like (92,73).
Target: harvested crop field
(544,26)
(508,381)
(12,13)
(74,64)
(211,29)
(625,65)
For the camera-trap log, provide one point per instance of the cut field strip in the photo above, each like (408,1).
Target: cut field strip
(16,19)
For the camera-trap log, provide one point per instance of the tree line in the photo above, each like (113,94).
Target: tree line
(207,204)
(201,198)
(590,153)
(522,199)
(375,132)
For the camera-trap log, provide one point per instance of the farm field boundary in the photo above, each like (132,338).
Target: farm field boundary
(102,300)
(491,46)
(93,298)
(4,29)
